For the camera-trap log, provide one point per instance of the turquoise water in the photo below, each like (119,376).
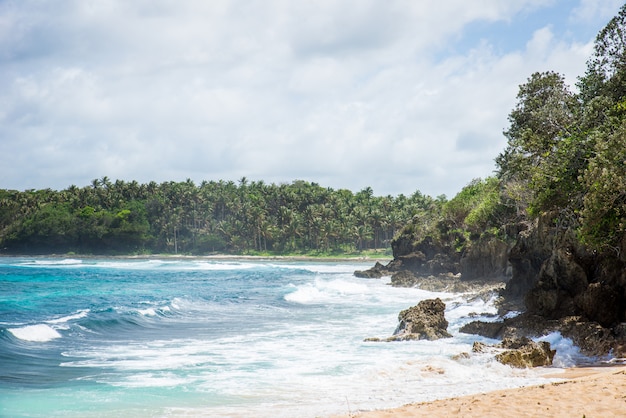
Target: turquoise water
(194,337)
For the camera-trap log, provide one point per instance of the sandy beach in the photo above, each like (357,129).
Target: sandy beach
(585,392)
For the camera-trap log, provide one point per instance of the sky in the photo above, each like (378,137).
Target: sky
(396,95)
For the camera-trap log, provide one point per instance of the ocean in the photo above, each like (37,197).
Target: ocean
(204,338)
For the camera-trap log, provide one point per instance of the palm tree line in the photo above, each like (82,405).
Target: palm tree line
(213,216)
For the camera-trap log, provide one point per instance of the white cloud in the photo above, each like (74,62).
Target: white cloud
(345,93)
(590,10)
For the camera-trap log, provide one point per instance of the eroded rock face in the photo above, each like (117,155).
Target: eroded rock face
(601,303)
(485,259)
(560,284)
(426,321)
(559,277)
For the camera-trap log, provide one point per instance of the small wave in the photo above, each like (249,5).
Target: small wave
(306,294)
(35,333)
(567,354)
(154,311)
(78,315)
(325,291)
(52,262)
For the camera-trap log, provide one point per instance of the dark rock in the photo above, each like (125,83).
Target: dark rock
(485,259)
(485,329)
(532,247)
(559,283)
(601,303)
(375,272)
(442,263)
(593,339)
(562,271)
(549,303)
(426,321)
(404,278)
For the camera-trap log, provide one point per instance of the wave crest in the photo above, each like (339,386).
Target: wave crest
(35,333)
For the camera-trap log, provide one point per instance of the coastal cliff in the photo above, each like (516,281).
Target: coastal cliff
(558,283)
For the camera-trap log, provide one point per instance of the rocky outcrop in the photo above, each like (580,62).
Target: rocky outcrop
(558,277)
(447,283)
(525,353)
(425,321)
(559,283)
(519,352)
(485,259)
(375,272)
(593,339)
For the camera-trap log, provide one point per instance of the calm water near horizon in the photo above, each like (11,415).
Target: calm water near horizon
(99,337)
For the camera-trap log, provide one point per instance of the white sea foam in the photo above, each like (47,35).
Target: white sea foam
(567,354)
(326,291)
(64,319)
(65,262)
(326,268)
(35,333)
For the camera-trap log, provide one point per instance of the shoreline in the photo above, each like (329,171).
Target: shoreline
(214,257)
(594,391)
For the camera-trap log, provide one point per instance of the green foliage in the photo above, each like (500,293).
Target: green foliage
(604,212)
(566,153)
(545,113)
(478,206)
(172,217)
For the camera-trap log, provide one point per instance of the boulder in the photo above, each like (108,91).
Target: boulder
(519,352)
(525,353)
(426,321)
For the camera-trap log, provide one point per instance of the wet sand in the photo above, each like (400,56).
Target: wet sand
(588,392)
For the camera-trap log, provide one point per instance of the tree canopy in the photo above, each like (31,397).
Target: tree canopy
(214,216)
(569,149)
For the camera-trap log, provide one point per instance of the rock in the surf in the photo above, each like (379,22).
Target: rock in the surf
(525,353)
(426,321)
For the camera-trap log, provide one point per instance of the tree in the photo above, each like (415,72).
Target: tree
(604,215)
(545,113)
(606,69)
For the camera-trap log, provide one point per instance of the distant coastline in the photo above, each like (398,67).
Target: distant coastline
(215,257)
